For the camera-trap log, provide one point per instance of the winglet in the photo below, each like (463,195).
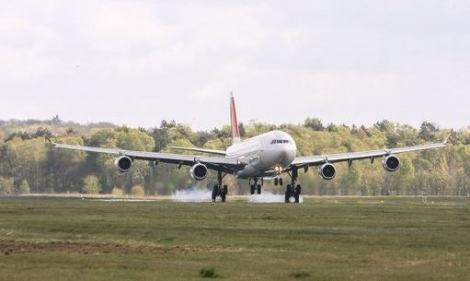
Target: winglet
(234,120)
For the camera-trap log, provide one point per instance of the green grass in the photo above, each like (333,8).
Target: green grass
(347,238)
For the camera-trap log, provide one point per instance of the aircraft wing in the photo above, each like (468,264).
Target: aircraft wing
(203,150)
(305,161)
(229,165)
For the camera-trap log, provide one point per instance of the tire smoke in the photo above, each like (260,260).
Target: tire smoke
(198,195)
(192,195)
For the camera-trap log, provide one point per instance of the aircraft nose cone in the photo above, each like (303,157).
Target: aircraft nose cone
(284,157)
(272,158)
(288,156)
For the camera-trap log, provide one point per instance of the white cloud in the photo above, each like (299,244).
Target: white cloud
(138,62)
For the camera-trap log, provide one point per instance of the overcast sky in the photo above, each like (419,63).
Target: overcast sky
(138,62)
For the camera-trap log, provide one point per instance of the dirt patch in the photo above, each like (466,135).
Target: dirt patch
(18,247)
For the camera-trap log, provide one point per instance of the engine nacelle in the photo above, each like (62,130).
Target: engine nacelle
(198,171)
(391,163)
(327,171)
(123,163)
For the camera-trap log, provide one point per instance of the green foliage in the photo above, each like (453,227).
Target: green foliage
(24,187)
(91,185)
(314,124)
(208,273)
(138,190)
(116,191)
(25,156)
(7,186)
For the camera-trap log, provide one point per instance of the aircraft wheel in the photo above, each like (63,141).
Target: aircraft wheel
(297,192)
(223,193)
(288,193)
(252,189)
(215,191)
(258,189)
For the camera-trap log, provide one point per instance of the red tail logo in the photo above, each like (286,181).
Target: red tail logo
(234,120)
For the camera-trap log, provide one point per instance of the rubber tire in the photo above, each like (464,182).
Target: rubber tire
(215,192)
(223,193)
(252,189)
(288,193)
(297,191)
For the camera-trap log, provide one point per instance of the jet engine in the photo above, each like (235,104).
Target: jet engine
(198,171)
(123,163)
(327,171)
(391,163)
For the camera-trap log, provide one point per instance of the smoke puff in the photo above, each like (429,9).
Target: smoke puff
(192,195)
(268,197)
(204,195)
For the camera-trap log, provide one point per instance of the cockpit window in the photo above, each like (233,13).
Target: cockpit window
(279,141)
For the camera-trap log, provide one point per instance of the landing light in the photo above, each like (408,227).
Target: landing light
(278,169)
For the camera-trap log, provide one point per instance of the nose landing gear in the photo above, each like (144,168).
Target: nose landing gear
(255,188)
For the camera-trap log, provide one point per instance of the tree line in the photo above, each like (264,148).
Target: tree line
(28,164)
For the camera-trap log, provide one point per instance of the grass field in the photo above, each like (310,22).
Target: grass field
(347,238)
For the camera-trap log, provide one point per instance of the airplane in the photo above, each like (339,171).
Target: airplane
(265,156)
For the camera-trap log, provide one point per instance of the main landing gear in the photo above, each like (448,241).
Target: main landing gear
(218,189)
(292,190)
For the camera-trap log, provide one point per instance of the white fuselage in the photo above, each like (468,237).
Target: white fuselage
(266,155)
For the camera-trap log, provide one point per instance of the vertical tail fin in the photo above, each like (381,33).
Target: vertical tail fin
(234,120)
